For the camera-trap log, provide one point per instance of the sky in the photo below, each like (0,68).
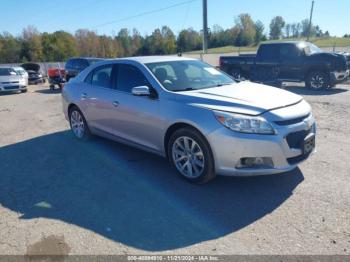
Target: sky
(109,16)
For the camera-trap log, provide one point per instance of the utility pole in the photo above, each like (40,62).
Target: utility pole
(310,22)
(205,26)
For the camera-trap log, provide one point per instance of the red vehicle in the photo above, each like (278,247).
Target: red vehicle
(57,77)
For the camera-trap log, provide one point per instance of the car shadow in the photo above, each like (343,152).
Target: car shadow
(48,91)
(8,93)
(130,196)
(307,91)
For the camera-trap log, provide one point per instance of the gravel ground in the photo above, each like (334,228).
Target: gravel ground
(62,196)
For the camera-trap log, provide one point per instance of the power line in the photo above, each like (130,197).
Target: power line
(144,13)
(186,15)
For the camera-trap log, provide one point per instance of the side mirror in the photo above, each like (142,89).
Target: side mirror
(141,91)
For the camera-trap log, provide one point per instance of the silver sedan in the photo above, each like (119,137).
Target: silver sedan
(198,117)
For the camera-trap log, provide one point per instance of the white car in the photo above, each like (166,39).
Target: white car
(11,81)
(23,73)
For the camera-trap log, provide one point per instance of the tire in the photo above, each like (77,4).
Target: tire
(196,160)
(24,91)
(236,74)
(78,124)
(318,80)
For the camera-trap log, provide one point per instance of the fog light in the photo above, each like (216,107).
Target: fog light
(256,162)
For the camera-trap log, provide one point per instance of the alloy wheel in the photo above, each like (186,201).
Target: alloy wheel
(317,81)
(188,157)
(77,124)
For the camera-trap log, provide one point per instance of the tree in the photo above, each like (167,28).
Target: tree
(276,26)
(169,40)
(189,40)
(288,30)
(295,29)
(136,42)
(247,30)
(10,48)
(88,42)
(125,41)
(32,49)
(58,46)
(259,35)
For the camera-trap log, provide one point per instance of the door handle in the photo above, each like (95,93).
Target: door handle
(84,95)
(116,103)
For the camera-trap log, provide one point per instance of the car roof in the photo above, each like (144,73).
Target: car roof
(153,59)
(86,58)
(283,42)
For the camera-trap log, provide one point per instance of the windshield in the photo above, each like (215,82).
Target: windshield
(94,61)
(311,49)
(7,72)
(188,75)
(20,71)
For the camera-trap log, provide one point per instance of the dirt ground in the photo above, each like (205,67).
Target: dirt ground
(62,196)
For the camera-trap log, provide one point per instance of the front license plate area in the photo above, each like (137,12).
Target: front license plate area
(309,144)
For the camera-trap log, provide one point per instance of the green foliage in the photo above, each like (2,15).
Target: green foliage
(276,27)
(245,34)
(247,30)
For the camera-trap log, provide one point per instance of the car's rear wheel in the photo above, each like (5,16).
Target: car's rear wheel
(190,154)
(24,91)
(78,124)
(318,80)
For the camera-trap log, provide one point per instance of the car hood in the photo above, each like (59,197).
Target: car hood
(243,98)
(31,67)
(11,78)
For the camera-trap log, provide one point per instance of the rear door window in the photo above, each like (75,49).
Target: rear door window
(269,52)
(102,76)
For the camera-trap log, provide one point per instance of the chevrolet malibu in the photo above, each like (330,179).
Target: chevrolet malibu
(198,117)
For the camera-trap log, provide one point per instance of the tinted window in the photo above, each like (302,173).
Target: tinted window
(82,64)
(88,79)
(289,51)
(130,77)
(70,63)
(269,52)
(102,76)
(7,72)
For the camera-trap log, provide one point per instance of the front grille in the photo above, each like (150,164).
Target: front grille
(292,121)
(10,87)
(9,83)
(296,139)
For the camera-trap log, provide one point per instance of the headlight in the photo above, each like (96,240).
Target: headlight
(245,124)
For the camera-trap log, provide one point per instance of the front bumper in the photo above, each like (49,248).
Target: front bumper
(35,81)
(230,147)
(10,88)
(338,77)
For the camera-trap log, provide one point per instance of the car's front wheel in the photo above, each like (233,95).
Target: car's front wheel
(78,124)
(190,154)
(318,80)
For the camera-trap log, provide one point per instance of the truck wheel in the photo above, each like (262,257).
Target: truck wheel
(236,74)
(318,80)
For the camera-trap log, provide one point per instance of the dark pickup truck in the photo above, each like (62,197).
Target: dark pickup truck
(291,61)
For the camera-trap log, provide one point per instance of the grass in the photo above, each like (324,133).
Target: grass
(320,42)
